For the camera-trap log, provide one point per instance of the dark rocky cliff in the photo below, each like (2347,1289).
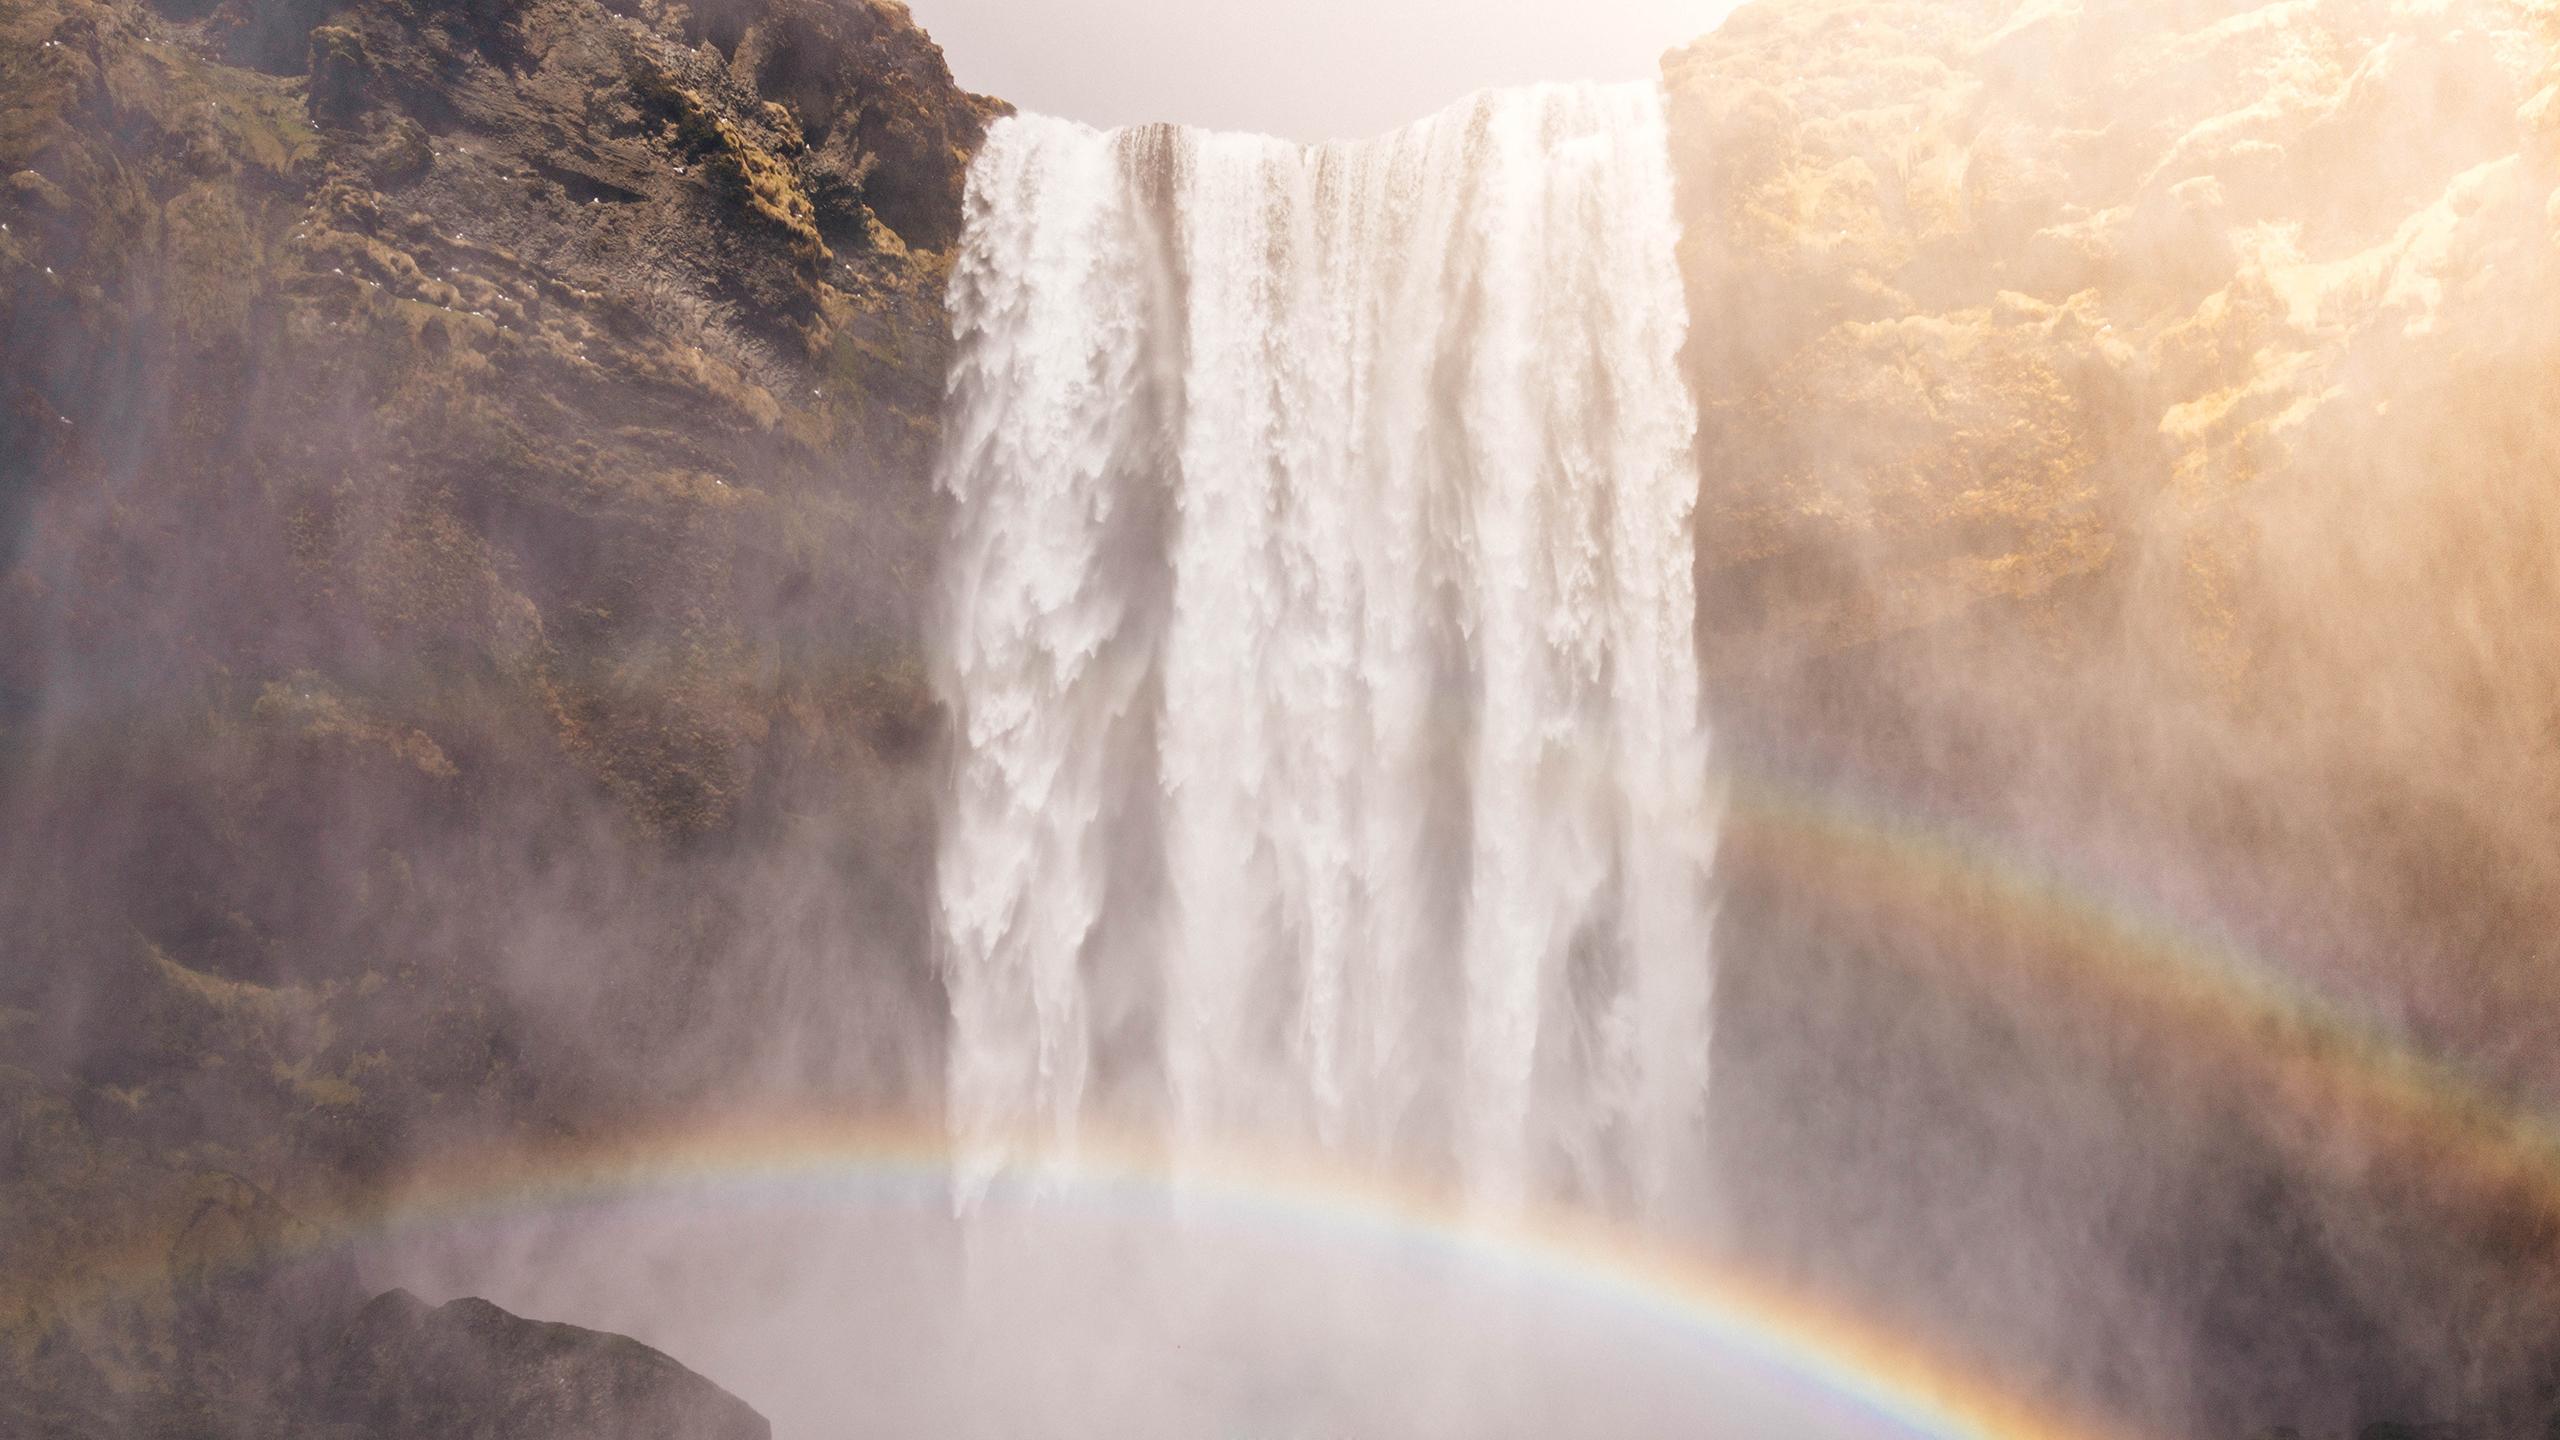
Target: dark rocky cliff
(465,517)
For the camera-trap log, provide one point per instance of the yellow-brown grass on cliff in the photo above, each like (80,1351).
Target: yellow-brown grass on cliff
(308,708)
(753,175)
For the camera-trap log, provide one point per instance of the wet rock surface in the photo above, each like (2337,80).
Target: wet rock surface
(471,1371)
(465,514)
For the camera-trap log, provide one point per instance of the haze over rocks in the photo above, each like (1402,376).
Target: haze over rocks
(467,531)
(2128,450)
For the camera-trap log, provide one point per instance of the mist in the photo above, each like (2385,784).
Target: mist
(1827,722)
(865,1316)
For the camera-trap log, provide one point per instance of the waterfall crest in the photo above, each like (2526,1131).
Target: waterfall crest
(1319,625)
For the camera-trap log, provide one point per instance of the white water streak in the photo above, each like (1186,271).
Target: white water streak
(1331,764)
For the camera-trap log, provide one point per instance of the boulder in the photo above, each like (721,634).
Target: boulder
(468,1370)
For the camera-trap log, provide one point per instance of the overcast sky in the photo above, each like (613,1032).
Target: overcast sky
(1311,69)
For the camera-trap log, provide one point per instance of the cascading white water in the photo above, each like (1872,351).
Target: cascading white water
(1320,627)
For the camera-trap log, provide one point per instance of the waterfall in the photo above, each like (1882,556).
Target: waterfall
(1319,627)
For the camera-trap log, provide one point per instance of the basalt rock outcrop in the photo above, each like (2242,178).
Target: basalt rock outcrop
(465,511)
(2125,558)
(470,1371)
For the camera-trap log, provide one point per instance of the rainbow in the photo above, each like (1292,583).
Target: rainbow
(2010,929)
(843,1166)
(1988,922)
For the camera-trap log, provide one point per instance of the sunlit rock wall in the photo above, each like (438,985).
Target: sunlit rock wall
(2132,459)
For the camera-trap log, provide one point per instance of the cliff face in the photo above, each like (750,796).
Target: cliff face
(2131,440)
(465,516)
(465,511)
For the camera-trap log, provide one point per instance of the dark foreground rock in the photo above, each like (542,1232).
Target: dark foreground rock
(470,1371)
(256,1327)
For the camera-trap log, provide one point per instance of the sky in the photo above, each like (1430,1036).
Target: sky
(1307,69)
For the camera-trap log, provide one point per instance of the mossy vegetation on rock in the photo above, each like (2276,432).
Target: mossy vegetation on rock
(465,521)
